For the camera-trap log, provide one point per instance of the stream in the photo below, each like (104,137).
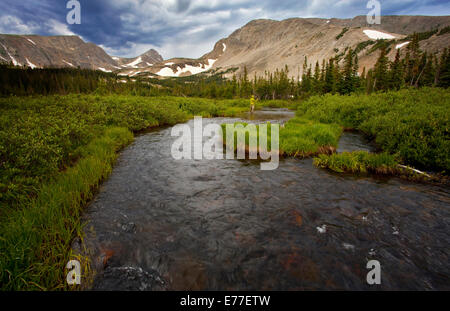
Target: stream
(162,224)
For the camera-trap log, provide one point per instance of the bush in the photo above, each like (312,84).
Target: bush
(411,124)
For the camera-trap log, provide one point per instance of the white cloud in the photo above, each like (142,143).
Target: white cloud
(13,25)
(59,29)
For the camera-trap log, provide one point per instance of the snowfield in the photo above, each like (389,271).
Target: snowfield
(399,46)
(31,41)
(224,47)
(168,72)
(377,35)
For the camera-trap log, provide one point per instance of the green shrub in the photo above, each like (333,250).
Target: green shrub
(411,124)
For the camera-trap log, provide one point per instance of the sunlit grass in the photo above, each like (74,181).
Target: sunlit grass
(298,138)
(358,162)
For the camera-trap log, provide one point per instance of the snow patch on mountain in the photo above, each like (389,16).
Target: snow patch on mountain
(30,64)
(377,35)
(224,47)
(135,62)
(71,65)
(399,46)
(15,63)
(31,41)
(168,72)
(104,70)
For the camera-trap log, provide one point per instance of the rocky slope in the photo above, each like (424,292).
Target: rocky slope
(57,51)
(269,45)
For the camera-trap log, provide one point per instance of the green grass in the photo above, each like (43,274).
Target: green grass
(413,125)
(358,162)
(304,138)
(276,104)
(298,138)
(54,152)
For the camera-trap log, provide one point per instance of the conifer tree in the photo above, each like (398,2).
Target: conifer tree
(396,79)
(381,77)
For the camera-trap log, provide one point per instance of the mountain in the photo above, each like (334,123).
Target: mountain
(260,46)
(66,51)
(145,60)
(56,51)
(267,45)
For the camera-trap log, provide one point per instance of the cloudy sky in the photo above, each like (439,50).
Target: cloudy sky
(187,28)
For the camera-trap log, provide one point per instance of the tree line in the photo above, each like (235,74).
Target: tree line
(414,69)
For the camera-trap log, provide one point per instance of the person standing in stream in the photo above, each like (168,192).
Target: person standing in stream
(252,104)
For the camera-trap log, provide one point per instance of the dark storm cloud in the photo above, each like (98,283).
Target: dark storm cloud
(179,27)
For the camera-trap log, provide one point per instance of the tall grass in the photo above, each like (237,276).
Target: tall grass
(36,239)
(298,138)
(304,138)
(358,162)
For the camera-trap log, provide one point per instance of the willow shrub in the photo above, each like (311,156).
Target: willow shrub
(412,124)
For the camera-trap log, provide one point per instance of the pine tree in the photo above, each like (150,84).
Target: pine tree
(317,82)
(444,73)
(396,73)
(348,75)
(381,78)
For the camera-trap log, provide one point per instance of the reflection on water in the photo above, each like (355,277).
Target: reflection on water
(351,141)
(163,224)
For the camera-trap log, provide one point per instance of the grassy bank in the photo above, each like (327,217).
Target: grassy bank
(411,124)
(54,152)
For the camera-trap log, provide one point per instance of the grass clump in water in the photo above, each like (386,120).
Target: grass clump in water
(358,162)
(298,138)
(304,138)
